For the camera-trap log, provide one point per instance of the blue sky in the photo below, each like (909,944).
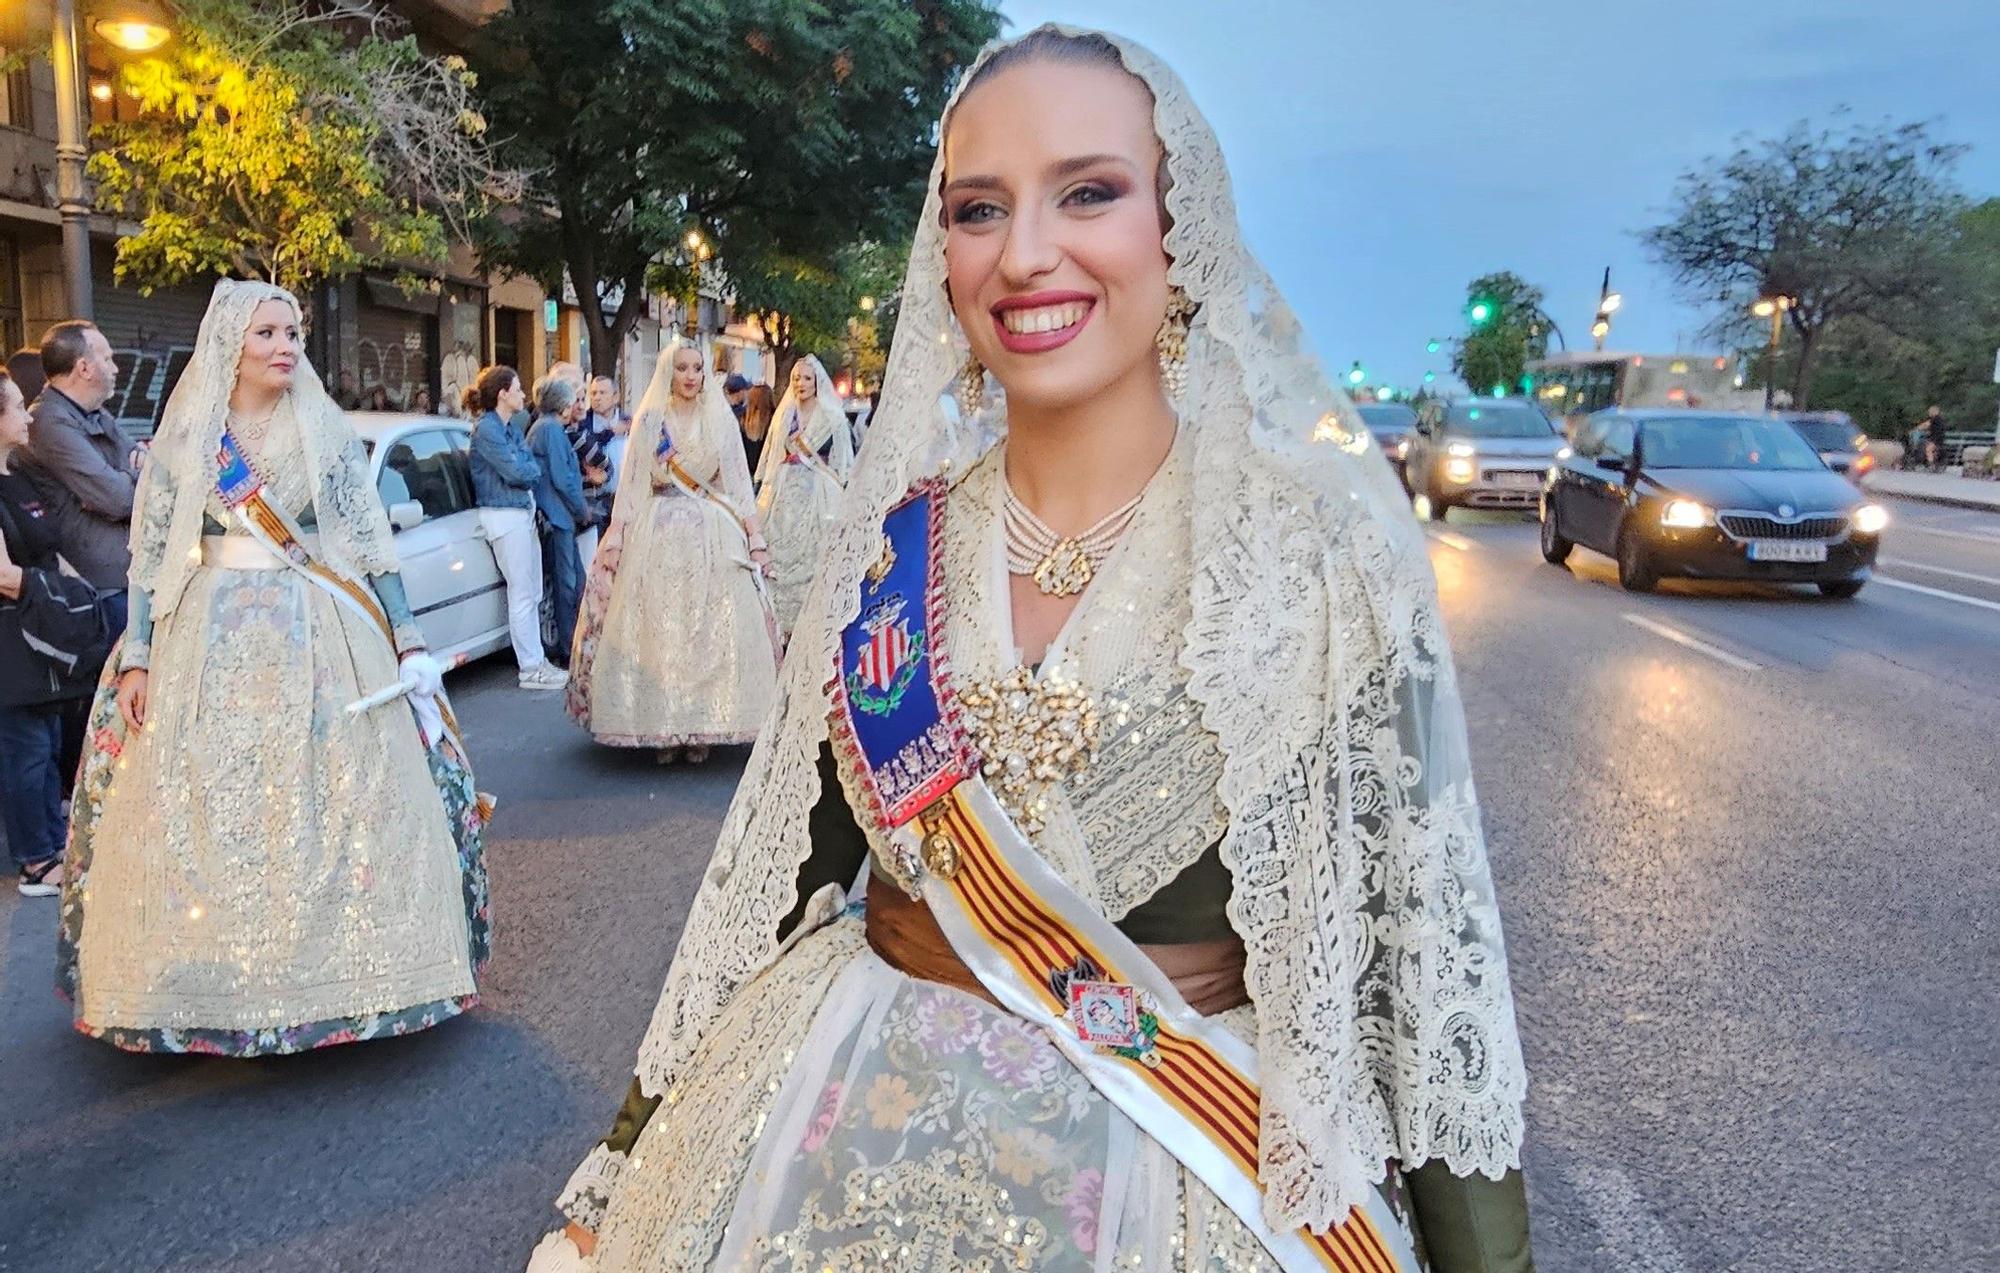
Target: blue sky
(1386,153)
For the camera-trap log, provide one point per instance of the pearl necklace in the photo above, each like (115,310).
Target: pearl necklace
(1061,565)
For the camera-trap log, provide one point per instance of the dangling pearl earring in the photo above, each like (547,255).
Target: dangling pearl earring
(1171,342)
(971,391)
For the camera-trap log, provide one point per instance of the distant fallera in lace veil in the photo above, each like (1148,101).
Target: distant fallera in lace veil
(1317,657)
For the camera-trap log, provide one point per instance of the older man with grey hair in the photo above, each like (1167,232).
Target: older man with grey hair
(559,498)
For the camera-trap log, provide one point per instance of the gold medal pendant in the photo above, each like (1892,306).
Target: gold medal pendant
(1065,570)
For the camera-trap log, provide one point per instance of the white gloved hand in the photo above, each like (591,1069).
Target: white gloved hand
(555,1253)
(423,674)
(425,677)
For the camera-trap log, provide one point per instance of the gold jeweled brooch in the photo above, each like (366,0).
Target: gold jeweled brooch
(1030,733)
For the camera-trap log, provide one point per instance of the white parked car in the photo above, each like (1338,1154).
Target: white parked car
(422,469)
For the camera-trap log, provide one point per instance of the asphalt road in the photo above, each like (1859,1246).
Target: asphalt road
(1744,839)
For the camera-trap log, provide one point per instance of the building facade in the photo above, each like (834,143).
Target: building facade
(375,343)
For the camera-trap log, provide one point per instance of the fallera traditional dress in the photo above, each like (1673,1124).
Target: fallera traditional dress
(677,645)
(258,870)
(806,459)
(1177,950)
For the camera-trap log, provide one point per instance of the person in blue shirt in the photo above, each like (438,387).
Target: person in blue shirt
(559,496)
(504,474)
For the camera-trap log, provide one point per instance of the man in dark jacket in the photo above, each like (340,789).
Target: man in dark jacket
(82,461)
(559,499)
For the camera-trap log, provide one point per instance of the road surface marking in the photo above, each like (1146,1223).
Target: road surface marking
(1451,539)
(1626,1225)
(1940,593)
(1696,644)
(1972,535)
(1905,564)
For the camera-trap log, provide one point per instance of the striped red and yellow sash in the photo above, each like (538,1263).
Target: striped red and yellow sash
(276,532)
(1185,1072)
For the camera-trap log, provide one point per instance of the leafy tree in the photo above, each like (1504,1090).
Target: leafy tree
(1854,223)
(811,304)
(778,132)
(294,142)
(1943,353)
(1498,348)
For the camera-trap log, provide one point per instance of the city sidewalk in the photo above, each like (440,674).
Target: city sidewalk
(1936,488)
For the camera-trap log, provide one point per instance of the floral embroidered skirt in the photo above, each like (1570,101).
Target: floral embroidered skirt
(846,1116)
(260,872)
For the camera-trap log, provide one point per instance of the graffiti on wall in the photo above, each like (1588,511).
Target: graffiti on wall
(145,378)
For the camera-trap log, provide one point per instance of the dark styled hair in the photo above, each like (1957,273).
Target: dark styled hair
(24,366)
(64,345)
(758,408)
(483,394)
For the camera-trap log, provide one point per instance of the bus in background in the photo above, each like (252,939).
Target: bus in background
(1572,384)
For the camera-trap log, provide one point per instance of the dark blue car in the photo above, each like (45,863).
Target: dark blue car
(1709,496)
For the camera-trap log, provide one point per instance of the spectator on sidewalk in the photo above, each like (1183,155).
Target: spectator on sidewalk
(559,498)
(84,464)
(53,640)
(1934,445)
(504,474)
(591,437)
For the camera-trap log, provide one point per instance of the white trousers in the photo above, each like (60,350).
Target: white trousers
(586,548)
(518,550)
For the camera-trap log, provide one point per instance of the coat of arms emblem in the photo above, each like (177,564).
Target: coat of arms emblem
(887,661)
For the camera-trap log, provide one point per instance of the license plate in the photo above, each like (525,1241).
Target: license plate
(1786,550)
(1518,481)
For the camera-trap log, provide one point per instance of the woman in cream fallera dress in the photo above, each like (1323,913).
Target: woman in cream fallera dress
(258,869)
(677,647)
(798,489)
(1276,804)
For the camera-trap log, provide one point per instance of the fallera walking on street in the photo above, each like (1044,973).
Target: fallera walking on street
(827,635)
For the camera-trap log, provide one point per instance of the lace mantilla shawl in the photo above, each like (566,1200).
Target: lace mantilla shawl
(1385,1022)
(707,446)
(354,534)
(826,423)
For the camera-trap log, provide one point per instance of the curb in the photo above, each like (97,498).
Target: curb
(1946,501)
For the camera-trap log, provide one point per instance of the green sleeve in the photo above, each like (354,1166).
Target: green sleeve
(1471,1224)
(395,601)
(839,848)
(632,1118)
(138,648)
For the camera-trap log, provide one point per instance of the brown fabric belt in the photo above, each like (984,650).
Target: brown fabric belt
(1208,974)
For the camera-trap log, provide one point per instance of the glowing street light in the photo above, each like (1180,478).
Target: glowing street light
(137,26)
(694,240)
(1773,308)
(867,304)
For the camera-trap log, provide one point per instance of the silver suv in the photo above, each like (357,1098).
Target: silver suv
(1480,453)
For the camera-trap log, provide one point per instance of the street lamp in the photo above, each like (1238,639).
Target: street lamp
(1773,308)
(867,304)
(137,26)
(1608,302)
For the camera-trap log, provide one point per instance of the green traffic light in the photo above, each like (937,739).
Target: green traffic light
(1357,375)
(1499,391)
(1431,348)
(1430,376)
(1480,312)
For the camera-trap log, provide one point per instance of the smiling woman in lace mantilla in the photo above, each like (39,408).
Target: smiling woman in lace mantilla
(1178,948)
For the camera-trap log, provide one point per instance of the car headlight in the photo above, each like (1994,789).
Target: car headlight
(1685,514)
(1458,469)
(1870,519)
(1563,453)
(1463,449)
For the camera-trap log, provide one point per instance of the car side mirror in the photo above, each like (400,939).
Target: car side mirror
(406,515)
(1611,463)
